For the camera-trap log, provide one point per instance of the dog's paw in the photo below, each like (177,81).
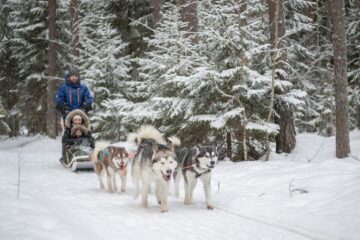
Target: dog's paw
(123,189)
(164,210)
(210,206)
(187,202)
(145,205)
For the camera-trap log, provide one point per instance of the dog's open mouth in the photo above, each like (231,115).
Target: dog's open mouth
(211,166)
(167,178)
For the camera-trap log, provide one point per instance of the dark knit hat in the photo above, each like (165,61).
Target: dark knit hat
(72,71)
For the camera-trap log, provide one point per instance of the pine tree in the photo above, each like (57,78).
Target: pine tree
(51,116)
(353,52)
(29,48)
(8,72)
(340,80)
(103,65)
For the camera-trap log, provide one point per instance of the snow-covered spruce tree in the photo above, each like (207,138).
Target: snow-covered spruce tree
(236,42)
(353,53)
(310,57)
(302,41)
(169,75)
(232,48)
(4,127)
(29,48)
(63,36)
(8,71)
(103,65)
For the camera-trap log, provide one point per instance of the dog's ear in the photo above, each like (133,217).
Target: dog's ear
(195,151)
(172,142)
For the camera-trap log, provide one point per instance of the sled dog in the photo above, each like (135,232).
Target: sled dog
(155,161)
(193,163)
(112,160)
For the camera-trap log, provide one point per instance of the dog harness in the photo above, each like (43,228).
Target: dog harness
(103,155)
(197,174)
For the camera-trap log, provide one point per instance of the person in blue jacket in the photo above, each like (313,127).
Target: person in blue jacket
(73,94)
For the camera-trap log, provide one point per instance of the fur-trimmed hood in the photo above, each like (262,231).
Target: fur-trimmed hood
(69,117)
(83,129)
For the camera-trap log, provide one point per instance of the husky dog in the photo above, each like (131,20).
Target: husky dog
(155,161)
(194,163)
(112,160)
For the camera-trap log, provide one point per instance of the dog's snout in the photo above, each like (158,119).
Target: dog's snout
(169,171)
(212,162)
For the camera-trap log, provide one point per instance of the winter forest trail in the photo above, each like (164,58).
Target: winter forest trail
(56,203)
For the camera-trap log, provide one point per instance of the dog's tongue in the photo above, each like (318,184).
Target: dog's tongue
(167,177)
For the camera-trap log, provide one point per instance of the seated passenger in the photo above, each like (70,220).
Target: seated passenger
(79,135)
(75,118)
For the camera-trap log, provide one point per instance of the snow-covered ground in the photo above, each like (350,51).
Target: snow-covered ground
(308,194)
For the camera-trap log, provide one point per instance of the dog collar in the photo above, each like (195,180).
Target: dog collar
(197,174)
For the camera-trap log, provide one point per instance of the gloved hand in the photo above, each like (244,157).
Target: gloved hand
(86,107)
(63,108)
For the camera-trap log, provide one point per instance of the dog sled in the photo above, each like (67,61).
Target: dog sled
(77,148)
(77,157)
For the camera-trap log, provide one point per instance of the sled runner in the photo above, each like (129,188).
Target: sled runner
(77,157)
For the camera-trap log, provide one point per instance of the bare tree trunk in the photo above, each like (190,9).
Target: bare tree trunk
(329,21)
(74,26)
(188,11)
(340,81)
(51,123)
(285,140)
(156,4)
(228,145)
(240,135)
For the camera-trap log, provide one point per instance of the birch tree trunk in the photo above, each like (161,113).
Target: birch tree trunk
(340,81)
(51,123)
(74,26)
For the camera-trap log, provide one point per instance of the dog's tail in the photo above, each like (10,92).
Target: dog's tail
(98,147)
(172,142)
(145,132)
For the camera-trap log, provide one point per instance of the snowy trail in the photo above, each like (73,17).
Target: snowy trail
(251,202)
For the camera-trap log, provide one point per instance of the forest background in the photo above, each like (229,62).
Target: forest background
(236,73)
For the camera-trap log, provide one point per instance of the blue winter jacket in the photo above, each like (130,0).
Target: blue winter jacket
(73,95)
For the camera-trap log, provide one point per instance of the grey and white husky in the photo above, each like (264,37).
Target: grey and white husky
(193,163)
(155,161)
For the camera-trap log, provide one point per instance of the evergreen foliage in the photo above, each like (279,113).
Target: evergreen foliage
(211,90)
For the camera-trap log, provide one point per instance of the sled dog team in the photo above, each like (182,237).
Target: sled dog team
(156,161)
